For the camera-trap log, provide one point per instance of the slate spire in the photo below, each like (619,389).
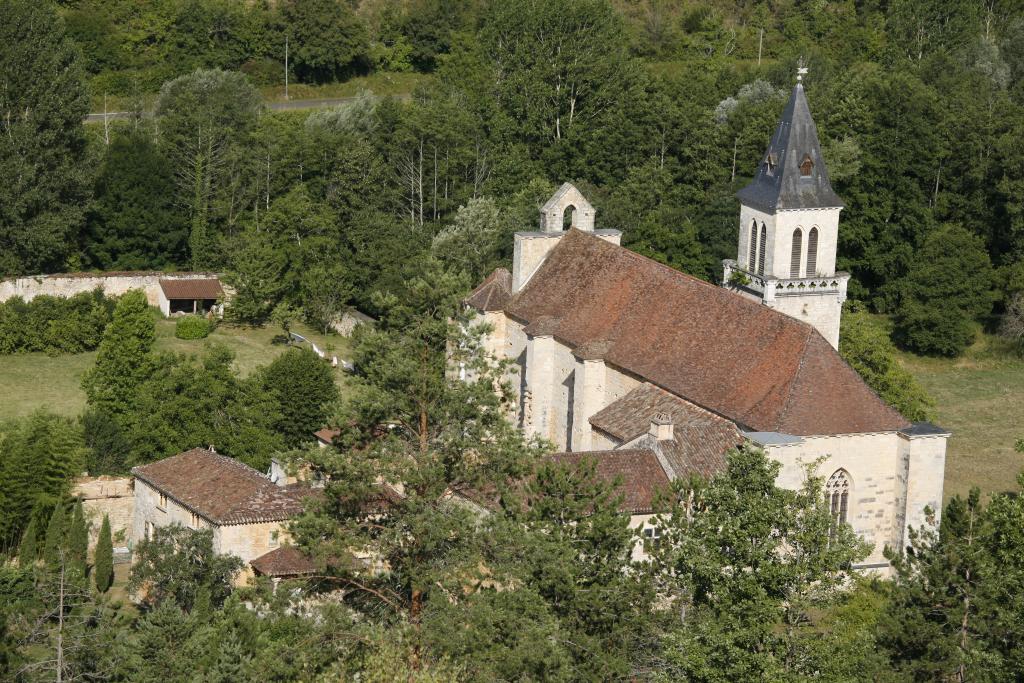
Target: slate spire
(792,174)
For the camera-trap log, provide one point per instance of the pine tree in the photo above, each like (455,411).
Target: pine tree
(42,149)
(56,536)
(78,538)
(104,560)
(124,359)
(28,551)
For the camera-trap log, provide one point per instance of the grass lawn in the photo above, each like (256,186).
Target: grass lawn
(980,398)
(35,380)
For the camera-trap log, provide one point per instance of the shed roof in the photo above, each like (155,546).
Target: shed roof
(197,288)
(284,561)
(493,293)
(222,490)
(760,368)
(638,471)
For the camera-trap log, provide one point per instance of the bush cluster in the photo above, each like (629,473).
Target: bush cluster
(191,327)
(53,324)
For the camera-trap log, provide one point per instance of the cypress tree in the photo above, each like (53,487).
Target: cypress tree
(28,551)
(104,560)
(56,539)
(78,539)
(123,360)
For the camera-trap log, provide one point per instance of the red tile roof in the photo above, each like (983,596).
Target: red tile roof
(327,434)
(221,490)
(700,438)
(198,288)
(493,293)
(756,366)
(638,471)
(284,561)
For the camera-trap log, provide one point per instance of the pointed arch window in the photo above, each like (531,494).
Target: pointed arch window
(760,258)
(837,495)
(798,247)
(812,252)
(752,262)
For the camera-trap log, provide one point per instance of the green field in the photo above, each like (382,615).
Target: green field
(35,380)
(980,398)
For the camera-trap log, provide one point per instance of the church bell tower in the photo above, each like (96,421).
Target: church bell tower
(789,227)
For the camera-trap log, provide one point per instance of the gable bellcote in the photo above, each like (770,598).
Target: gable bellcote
(567,208)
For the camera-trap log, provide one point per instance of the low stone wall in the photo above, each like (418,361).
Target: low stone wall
(112,284)
(349,320)
(111,496)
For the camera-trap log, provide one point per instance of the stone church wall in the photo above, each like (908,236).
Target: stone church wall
(873,463)
(821,311)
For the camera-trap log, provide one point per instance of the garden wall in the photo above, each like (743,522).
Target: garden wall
(112,284)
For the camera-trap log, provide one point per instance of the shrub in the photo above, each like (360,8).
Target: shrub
(53,324)
(191,327)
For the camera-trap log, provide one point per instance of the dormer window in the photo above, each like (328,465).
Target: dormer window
(806,166)
(770,162)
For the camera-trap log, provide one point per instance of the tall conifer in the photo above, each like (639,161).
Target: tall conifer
(104,560)
(123,360)
(28,551)
(56,536)
(78,537)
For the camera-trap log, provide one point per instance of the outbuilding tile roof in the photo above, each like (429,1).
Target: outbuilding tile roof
(638,471)
(221,490)
(284,561)
(196,288)
(758,367)
(700,438)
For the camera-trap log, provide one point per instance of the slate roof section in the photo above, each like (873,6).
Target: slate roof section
(924,429)
(221,490)
(700,438)
(640,474)
(493,293)
(283,562)
(204,288)
(731,356)
(779,183)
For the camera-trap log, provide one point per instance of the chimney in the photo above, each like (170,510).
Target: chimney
(661,427)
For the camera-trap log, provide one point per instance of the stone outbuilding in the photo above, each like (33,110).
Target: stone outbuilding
(200,489)
(195,296)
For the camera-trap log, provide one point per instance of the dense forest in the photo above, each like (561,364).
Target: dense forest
(658,110)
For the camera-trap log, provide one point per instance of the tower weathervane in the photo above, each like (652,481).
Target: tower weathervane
(800,70)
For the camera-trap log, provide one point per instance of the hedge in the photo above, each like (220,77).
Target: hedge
(191,327)
(55,325)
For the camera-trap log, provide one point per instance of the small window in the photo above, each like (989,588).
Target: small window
(163,502)
(195,521)
(149,531)
(806,166)
(652,537)
(272,541)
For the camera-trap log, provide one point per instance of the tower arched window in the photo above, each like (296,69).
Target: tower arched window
(569,217)
(797,252)
(760,258)
(752,262)
(837,495)
(812,252)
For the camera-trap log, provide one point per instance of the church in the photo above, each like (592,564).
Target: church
(658,374)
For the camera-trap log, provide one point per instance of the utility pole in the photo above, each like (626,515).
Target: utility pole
(286,66)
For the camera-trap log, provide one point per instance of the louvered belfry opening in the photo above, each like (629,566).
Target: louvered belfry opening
(752,262)
(812,253)
(794,262)
(760,258)
(806,166)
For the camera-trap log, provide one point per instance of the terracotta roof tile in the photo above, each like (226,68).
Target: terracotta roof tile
(742,360)
(199,288)
(284,561)
(220,489)
(700,438)
(493,293)
(327,434)
(640,472)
